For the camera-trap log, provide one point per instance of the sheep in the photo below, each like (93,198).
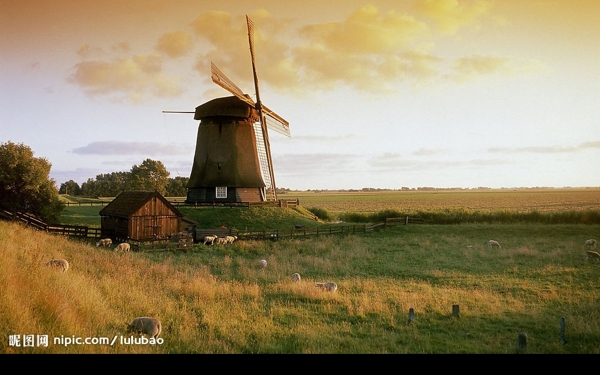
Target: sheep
(592,255)
(230,239)
(591,244)
(493,243)
(123,247)
(329,286)
(104,242)
(263,263)
(145,325)
(210,239)
(222,241)
(296,277)
(60,264)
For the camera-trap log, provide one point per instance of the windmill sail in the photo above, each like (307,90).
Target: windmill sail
(274,121)
(267,118)
(271,189)
(221,79)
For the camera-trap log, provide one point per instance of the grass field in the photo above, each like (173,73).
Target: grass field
(524,200)
(228,304)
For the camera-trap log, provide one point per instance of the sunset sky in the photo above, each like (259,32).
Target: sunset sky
(382,93)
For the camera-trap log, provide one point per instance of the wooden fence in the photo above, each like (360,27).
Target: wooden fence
(74,231)
(86,204)
(392,221)
(276,234)
(178,241)
(278,203)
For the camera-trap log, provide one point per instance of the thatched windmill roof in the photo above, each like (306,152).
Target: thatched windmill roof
(229,106)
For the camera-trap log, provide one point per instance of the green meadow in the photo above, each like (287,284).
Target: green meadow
(227,303)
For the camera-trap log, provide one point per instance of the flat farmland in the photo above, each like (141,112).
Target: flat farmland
(519,200)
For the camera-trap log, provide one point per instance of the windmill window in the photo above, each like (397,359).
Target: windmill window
(221,192)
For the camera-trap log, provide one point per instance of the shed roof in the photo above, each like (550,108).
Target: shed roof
(128,202)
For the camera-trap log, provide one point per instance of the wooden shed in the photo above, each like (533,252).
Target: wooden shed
(141,215)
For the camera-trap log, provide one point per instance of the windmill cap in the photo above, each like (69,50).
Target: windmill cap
(229,106)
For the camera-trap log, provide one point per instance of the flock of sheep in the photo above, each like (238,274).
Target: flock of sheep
(124,246)
(210,240)
(328,286)
(153,327)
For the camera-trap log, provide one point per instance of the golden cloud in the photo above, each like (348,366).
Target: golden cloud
(450,15)
(137,78)
(175,44)
(470,67)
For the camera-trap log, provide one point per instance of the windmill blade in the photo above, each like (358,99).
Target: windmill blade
(276,122)
(251,44)
(221,79)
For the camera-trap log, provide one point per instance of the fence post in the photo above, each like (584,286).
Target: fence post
(411,315)
(406,221)
(455,310)
(562,330)
(522,342)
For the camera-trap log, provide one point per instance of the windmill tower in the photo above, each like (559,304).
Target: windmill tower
(233,160)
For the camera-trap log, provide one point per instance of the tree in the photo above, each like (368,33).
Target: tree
(177,187)
(70,188)
(150,175)
(25,185)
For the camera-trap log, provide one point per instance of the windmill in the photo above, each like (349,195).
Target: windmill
(233,154)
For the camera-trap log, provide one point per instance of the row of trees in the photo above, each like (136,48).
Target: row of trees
(26,186)
(149,175)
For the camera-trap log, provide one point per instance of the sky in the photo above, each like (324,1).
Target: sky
(378,94)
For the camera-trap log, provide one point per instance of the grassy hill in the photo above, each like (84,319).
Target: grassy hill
(254,218)
(236,218)
(228,304)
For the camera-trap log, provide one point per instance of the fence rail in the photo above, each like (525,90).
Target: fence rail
(392,221)
(74,230)
(86,204)
(276,234)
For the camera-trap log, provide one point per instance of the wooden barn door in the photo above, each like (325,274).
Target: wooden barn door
(151,226)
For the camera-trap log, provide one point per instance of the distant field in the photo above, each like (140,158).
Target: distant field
(409,202)
(541,200)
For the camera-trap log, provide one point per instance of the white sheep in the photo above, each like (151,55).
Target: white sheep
(123,247)
(104,242)
(210,239)
(296,277)
(60,264)
(230,239)
(493,243)
(592,255)
(591,244)
(263,263)
(222,241)
(145,325)
(329,286)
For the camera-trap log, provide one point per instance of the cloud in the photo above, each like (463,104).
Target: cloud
(371,50)
(137,78)
(366,31)
(451,15)
(175,44)
(423,151)
(547,149)
(130,148)
(393,162)
(474,66)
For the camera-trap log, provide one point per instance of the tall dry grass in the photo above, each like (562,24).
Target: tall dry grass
(229,304)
